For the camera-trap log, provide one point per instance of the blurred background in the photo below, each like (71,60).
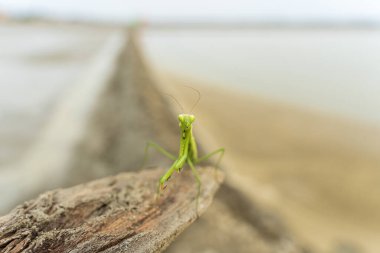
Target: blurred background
(290,88)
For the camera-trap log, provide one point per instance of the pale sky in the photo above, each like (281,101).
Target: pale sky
(293,10)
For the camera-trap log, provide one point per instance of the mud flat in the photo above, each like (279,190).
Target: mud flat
(318,171)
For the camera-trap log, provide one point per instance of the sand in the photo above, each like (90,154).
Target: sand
(321,173)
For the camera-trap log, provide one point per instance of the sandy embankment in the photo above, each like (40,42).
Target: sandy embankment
(320,173)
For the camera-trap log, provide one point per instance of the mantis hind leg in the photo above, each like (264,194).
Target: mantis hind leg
(199,182)
(159,149)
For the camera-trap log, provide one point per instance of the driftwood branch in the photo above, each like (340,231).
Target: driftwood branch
(115,214)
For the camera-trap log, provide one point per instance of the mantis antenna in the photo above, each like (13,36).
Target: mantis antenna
(175,100)
(179,104)
(198,99)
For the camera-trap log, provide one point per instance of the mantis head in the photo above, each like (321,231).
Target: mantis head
(185,121)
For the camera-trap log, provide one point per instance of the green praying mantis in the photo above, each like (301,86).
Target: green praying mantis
(188,152)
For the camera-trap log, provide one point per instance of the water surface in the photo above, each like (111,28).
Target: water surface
(38,63)
(335,71)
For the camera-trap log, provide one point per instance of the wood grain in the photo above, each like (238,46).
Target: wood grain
(115,214)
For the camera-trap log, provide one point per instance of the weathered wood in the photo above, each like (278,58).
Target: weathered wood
(115,214)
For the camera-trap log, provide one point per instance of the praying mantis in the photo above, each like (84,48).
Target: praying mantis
(188,152)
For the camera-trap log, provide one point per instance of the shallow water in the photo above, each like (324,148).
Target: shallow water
(38,63)
(335,71)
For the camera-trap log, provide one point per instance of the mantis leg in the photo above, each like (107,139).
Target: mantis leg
(177,165)
(206,157)
(197,178)
(159,149)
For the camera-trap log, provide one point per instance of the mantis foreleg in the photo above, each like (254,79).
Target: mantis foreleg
(177,165)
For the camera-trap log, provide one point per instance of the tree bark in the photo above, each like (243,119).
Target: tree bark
(120,213)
